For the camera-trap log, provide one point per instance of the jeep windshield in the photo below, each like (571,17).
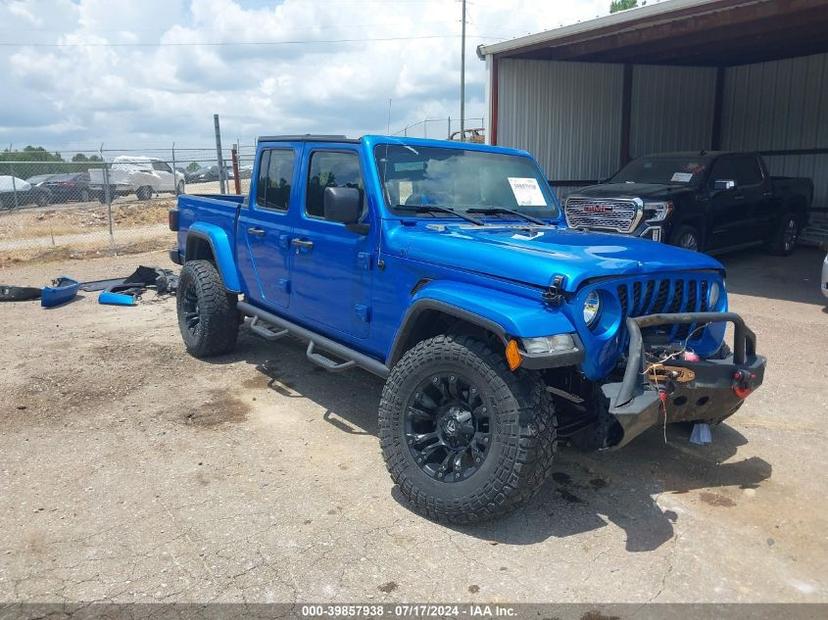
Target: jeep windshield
(468,182)
(686,171)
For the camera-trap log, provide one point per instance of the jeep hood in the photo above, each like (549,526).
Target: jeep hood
(535,256)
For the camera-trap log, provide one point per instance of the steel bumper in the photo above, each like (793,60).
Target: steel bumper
(716,391)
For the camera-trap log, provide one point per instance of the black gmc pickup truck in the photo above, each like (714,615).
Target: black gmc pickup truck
(706,201)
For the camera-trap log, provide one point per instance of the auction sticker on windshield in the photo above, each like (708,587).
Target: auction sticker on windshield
(682,177)
(527,192)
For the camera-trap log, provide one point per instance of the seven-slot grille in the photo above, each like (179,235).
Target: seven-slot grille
(616,214)
(664,295)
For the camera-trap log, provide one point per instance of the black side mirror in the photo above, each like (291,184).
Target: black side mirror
(343,205)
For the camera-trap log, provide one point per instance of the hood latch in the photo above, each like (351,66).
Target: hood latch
(555,294)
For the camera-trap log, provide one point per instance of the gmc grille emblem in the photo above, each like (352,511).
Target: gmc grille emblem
(597,209)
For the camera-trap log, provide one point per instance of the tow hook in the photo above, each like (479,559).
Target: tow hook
(743,383)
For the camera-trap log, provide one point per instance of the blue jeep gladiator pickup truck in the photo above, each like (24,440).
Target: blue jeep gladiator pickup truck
(447,269)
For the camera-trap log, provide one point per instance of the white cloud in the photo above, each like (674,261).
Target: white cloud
(133,95)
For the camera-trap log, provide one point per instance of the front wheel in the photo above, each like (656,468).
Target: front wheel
(207,314)
(463,437)
(686,237)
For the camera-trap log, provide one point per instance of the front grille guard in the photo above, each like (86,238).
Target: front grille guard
(744,345)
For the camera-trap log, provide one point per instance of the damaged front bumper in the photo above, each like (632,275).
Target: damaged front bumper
(707,390)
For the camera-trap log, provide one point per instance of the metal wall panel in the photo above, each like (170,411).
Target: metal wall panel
(672,109)
(567,114)
(781,105)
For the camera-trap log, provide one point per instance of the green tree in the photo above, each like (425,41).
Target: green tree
(623,5)
(81,158)
(44,162)
(193,166)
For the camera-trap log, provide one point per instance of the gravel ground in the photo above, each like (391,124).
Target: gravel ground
(133,472)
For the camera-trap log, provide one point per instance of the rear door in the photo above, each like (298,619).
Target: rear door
(331,264)
(264,228)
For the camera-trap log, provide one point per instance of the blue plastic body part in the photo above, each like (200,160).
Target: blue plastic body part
(63,289)
(116,299)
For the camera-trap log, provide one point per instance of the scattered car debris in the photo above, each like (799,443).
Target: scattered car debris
(19,293)
(62,290)
(117,291)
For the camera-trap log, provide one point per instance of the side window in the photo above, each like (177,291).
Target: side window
(748,171)
(274,182)
(330,169)
(724,169)
(160,165)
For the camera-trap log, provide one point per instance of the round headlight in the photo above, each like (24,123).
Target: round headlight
(592,307)
(713,295)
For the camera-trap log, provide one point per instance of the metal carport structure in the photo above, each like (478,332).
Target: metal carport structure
(744,75)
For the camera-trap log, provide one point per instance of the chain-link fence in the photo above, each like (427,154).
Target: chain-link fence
(447,128)
(105,201)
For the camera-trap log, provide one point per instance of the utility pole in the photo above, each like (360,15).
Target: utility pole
(463,76)
(219,158)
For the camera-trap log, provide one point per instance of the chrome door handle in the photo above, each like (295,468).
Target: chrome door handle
(256,232)
(301,243)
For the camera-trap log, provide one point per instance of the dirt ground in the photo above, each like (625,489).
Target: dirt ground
(133,472)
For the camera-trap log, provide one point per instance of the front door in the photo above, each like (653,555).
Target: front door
(731,210)
(264,228)
(331,268)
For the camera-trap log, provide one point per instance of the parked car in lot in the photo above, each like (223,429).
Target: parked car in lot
(143,176)
(707,201)
(72,186)
(447,269)
(15,192)
(209,174)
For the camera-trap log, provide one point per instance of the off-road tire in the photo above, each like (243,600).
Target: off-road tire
(780,244)
(217,328)
(523,430)
(679,235)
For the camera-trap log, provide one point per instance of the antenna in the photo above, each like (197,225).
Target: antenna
(388,128)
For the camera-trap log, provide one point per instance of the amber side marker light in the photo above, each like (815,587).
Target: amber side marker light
(513,356)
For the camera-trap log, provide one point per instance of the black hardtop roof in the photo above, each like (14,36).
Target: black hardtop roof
(308,137)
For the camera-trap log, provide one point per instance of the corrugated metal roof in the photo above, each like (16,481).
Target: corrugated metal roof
(614,19)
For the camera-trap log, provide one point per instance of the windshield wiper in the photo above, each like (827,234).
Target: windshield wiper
(495,210)
(440,209)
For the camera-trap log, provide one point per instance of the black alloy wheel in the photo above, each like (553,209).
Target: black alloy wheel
(448,427)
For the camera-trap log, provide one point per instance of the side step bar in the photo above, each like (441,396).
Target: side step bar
(352,357)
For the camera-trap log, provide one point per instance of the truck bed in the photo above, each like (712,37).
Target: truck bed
(213,210)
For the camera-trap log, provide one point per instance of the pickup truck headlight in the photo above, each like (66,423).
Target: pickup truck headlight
(561,343)
(592,308)
(657,211)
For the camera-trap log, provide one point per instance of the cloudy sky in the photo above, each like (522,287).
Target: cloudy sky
(144,73)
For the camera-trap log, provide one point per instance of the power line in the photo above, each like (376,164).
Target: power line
(237,43)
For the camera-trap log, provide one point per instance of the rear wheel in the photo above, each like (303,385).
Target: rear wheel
(783,241)
(207,314)
(84,195)
(180,188)
(686,237)
(143,193)
(464,438)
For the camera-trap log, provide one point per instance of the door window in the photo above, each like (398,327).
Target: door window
(747,171)
(161,166)
(330,169)
(274,182)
